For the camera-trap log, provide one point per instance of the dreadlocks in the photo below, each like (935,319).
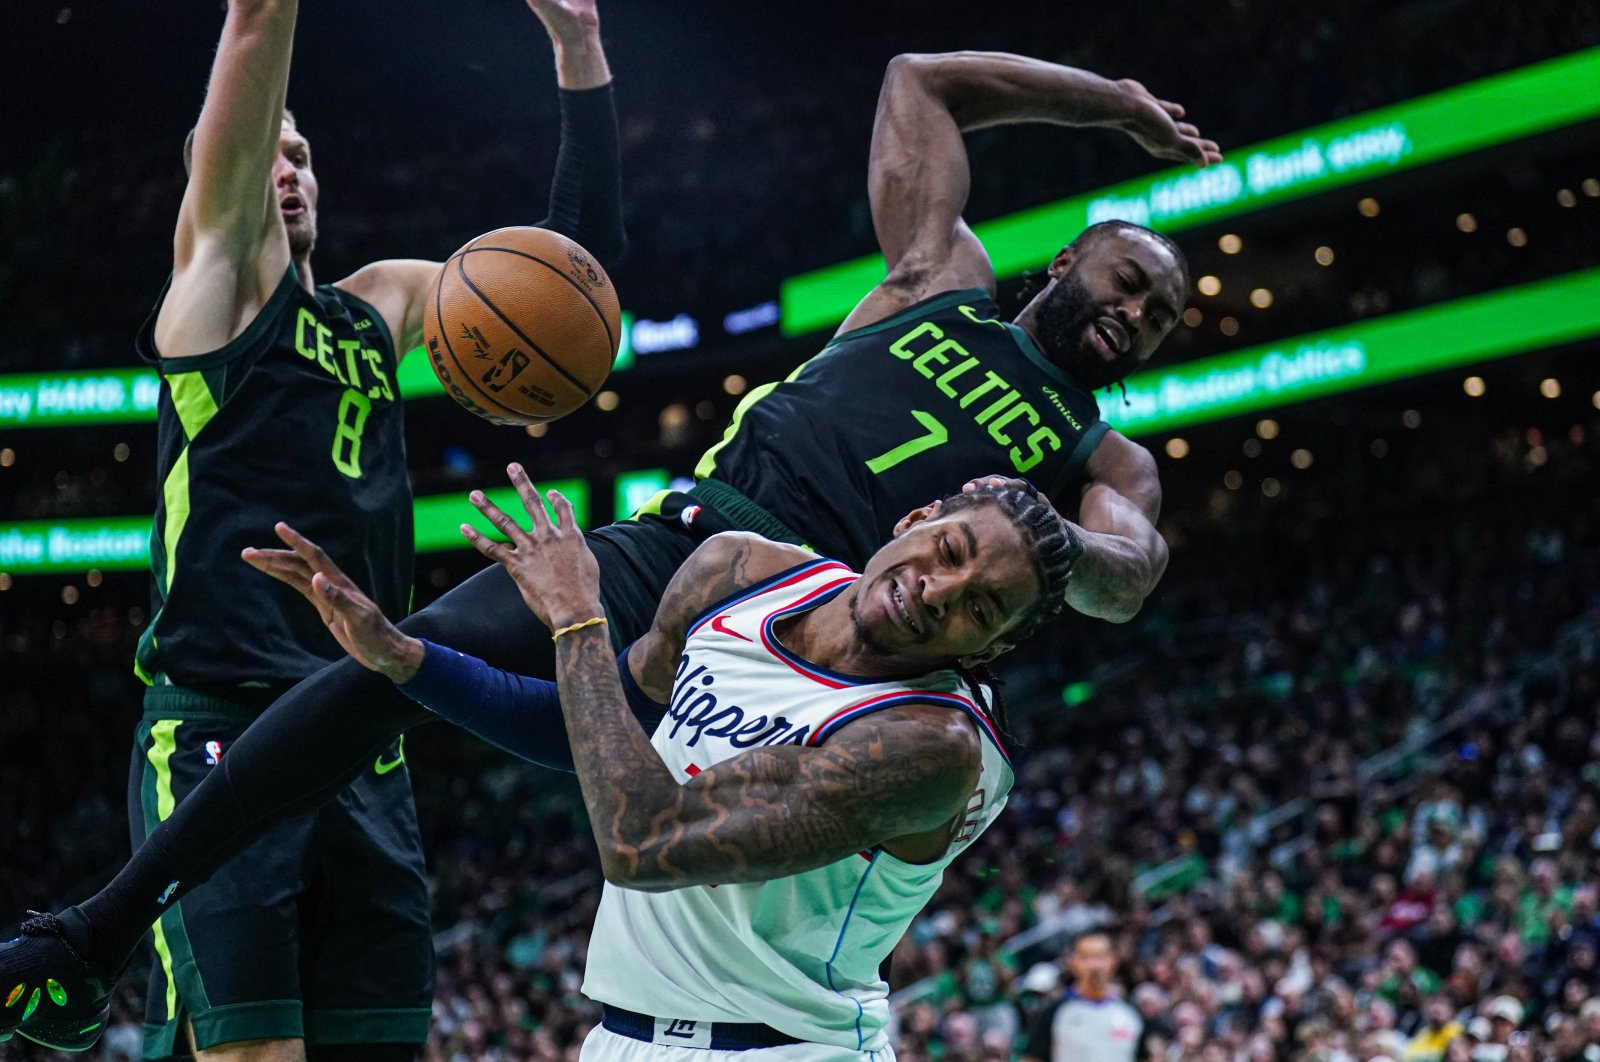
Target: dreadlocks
(1051,548)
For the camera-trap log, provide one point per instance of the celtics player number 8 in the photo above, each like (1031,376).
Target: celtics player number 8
(353,410)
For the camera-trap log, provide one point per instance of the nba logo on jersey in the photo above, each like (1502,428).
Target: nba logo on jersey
(213,753)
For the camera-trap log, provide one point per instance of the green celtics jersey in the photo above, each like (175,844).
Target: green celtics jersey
(298,419)
(894,415)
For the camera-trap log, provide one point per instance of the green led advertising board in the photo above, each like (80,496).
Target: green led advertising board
(633,489)
(439,518)
(1499,324)
(1496,325)
(118,396)
(110,544)
(66,398)
(122,543)
(1430,128)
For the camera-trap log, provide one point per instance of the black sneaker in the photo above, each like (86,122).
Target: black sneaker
(48,993)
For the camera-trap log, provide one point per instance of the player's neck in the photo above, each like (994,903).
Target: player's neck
(302,270)
(1027,320)
(827,635)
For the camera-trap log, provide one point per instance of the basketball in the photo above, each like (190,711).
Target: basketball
(522,326)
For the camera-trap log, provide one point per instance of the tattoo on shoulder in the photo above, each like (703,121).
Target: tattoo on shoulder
(709,579)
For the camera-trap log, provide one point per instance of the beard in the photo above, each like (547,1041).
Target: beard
(302,235)
(1062,321)
(866,637)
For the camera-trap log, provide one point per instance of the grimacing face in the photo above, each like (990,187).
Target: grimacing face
(945,588)
(1108,306)
(294,186)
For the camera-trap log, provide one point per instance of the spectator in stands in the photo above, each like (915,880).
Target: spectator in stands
(1439,1027)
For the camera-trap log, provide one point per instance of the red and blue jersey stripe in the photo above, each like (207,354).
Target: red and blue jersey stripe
(786,578)
(893,699)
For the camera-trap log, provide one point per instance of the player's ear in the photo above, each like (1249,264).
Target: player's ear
(1062,262)
(916,516)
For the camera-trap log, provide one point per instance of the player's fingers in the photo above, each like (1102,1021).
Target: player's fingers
(497,516)
(564,515)
(1188,130)
(1174,109)
(335,595)
(306,549)
(293,572)
(275,561)
(527,492)
(485,545)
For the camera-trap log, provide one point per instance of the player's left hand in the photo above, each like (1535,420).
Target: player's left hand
(354,620)
(567,20)
(1159,128)
(551,563)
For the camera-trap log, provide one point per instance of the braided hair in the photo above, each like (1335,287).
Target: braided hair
(1051,548)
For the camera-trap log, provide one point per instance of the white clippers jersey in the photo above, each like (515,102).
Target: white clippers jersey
(802,953)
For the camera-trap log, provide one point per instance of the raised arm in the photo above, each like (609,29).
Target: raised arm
(230,248)
(768,812)
(918,175)
(585,193)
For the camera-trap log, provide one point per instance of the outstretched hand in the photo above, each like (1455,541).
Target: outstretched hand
(551,564)
(1159,128)
(359,626)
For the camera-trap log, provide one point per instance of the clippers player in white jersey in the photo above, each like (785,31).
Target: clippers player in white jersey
(823,752)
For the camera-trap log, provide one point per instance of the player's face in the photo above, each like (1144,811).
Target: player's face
(1109,306)
(295,186)
(945,589)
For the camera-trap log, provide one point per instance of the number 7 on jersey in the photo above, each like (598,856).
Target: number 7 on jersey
(936,435)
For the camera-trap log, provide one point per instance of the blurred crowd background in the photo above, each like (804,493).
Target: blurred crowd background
(1334,796)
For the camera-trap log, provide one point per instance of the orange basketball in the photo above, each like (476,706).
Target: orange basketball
(523,326)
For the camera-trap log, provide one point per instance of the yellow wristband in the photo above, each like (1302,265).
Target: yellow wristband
(569,628)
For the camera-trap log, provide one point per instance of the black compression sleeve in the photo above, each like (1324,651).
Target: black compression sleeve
(586,191)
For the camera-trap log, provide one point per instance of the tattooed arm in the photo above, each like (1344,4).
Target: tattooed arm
(769,812)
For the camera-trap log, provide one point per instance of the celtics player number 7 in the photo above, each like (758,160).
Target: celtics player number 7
(936,435)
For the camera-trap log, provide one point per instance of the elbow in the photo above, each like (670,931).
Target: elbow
(1122,611)
(627,867)
(619,864)
(906,64)
(910,71)
(1139,587)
